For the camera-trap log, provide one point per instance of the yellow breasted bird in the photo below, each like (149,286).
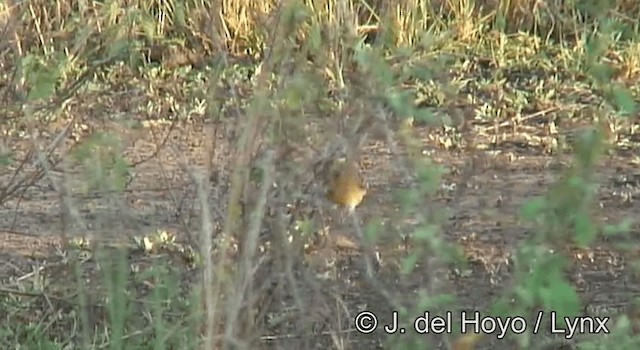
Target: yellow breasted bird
(346,187)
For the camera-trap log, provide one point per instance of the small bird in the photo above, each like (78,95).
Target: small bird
(346,186)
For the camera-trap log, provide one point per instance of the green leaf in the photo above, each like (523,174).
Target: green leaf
(409,263)
(425,232)
(407,199)
(585,229)
(42,77)
(315,38)
(400,102)
(5,160)
(305,227)
(533,208)
(429,175)
(623,99)
(503,307)
(118,48)
(525,296)
(371,231)
(561,297)
(620,228)
(424,115)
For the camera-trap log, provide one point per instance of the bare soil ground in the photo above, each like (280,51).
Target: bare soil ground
(483,221)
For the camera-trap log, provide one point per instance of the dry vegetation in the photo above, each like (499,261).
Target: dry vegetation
(161,171)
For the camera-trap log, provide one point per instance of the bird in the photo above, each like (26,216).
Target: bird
(346,187)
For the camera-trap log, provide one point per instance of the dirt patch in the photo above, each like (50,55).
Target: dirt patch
(484,222)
